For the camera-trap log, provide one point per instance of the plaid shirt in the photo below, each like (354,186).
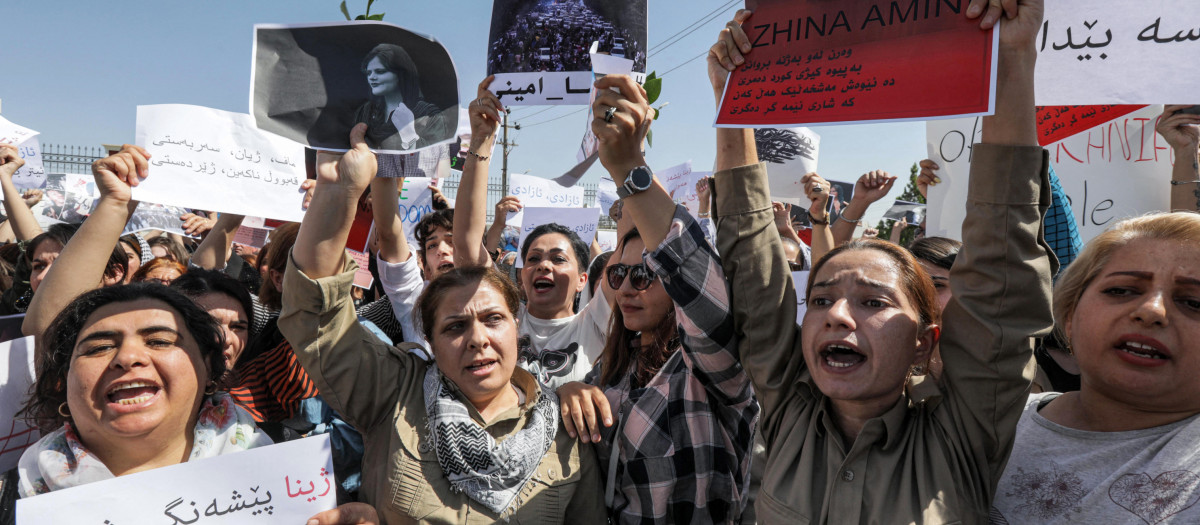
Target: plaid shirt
(684,440)
(423,163)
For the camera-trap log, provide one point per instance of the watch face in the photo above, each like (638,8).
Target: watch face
(641,178)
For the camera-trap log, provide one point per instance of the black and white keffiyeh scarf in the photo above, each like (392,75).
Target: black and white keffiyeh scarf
(489,473)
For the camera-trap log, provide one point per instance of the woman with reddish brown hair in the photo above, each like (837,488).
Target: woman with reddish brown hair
(161,270)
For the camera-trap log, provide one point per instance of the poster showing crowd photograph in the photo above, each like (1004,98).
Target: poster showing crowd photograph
(538,49)
(151,216)
(313,82)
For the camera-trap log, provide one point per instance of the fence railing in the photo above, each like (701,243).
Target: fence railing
(60,158)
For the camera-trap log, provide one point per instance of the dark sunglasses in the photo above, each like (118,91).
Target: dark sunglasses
(640,277)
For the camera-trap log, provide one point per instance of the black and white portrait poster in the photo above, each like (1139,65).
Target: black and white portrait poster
(789,154)
(313,82)
(538,49)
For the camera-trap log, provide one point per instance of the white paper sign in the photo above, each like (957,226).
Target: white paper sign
(1115,170)
(800,280)
(602,65)
(607,239)
(606,194)
(16,375)
(537,192)
(284,483)
(416,201)
(582,221)
(789,154)
(33,173)
(215,160)
(1129,52)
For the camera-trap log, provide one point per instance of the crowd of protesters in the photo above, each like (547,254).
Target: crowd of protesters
(1015,376)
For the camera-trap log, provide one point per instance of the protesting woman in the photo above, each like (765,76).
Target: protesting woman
(845,442)
(468,438)
(671,407)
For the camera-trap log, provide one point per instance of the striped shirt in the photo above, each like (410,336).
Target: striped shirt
(272,384)
(683,441)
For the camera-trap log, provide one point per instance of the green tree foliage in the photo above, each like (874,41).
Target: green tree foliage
(910,194)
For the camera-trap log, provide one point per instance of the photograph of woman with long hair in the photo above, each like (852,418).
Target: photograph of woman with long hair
(397,115)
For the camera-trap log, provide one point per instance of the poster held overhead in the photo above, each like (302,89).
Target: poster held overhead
(1124,52)
(790,154)
(219,161)
(1115,170)
(312,83)
(33,174)
(16,376)
(821,62)
(538,50)
(583,221)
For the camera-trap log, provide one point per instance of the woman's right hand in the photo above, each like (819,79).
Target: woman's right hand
(580,403)
(928,177)
(484,112)
(117,174)
(509,204)
(10,161)
(726,55)
(347,514)
(873,185)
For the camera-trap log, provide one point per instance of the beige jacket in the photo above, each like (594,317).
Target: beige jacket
(934,458)
(378,389)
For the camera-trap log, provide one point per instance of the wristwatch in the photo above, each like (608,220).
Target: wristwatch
(640,179)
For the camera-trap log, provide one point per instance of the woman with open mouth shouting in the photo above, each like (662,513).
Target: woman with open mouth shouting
(467,438)
(845,442)
(558,342)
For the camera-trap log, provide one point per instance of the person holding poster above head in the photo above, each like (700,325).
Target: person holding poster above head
(846,443)
(397,114)
(558,342)
(671,354)
(467,438)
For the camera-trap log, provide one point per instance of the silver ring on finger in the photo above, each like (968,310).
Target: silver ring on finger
(818,189)
(608,114)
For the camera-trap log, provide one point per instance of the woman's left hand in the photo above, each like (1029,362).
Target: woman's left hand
(485,118)
(348,514)
(620,122)
(116,174)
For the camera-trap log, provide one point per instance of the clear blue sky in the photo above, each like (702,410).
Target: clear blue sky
(76,70)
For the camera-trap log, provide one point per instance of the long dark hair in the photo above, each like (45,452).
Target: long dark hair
(395,59)
(57,344)
(618,356)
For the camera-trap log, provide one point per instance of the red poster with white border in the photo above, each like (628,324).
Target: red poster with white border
(826,62)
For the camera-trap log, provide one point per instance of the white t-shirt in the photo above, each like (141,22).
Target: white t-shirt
(558,351)
(402,283)
(1062,475)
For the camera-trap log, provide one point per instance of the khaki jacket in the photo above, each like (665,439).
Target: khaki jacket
(378,389)
(935,457)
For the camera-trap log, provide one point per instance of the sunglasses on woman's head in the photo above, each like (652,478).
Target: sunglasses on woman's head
(640,277)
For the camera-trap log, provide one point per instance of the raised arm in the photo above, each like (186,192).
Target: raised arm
(385,204)
(871,187)
(1182,131)
(80,266)
(735,146)
(817,191)
(24,226)
(213,252)
(510,203)
(470,204)
(357,374)
(1001,278)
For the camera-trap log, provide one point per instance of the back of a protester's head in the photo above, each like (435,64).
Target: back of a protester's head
(938,251)
(173,250)
(577,244)
(282,240)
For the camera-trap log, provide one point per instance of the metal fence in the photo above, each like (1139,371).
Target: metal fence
(59,158)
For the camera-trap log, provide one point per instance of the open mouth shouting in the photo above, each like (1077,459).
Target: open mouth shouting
(543,284)
(482,367)
(1142,351)
(132,394)
(840,357)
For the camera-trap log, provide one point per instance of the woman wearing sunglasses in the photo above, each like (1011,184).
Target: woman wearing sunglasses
(667,401)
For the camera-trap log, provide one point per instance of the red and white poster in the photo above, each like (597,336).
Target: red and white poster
(822,62)
(1055,123)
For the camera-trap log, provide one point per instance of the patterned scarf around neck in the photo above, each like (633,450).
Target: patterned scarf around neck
(60,460)
(489,473)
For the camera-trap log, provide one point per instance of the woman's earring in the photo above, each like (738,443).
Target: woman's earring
(210,389)
(63,410)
